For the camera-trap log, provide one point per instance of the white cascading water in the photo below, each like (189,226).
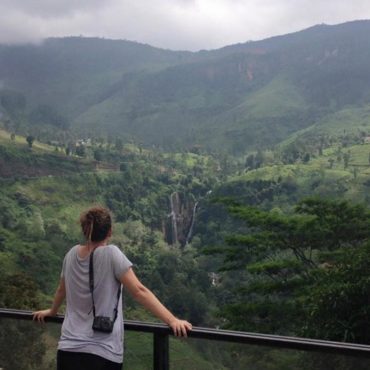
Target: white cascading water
(173,219)
(190,232)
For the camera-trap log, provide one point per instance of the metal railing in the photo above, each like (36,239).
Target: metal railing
(162,332)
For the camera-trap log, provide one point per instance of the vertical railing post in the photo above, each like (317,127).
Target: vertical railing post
(161,355)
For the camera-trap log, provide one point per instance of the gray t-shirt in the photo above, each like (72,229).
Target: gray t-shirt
(77,334)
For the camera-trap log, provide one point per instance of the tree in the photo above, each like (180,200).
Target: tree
(338,305)
(98,155)
(30,139)
(258,159)
(119,145)
(355,172)
(249,161)
(19,291)
(19,338)
(278,261)
(306,158)
(80,150)
(346,158)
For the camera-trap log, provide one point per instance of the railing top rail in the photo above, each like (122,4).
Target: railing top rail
(304,344)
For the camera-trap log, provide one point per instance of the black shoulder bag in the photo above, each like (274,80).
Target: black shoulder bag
(101,323)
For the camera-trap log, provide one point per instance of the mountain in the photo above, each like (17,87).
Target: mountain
(237,98)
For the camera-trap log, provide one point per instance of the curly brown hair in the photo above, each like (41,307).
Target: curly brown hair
(96,222)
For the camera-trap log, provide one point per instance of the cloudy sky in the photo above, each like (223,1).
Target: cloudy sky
(173,24)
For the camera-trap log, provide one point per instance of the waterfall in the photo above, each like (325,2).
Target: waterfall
(180,222)
(173,219)
(190,232)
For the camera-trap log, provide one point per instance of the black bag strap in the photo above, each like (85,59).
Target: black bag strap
(91,280)
(91,284)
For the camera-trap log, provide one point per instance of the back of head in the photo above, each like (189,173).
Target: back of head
(96,223)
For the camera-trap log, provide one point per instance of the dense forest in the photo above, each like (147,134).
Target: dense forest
(238,180)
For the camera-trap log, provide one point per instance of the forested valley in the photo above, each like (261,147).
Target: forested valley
(262,227)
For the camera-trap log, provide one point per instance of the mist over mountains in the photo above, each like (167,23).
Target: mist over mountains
(237,98)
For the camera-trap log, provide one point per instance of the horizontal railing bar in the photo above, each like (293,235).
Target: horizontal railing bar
(304,344)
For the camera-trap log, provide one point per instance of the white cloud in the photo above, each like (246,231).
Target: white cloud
(175,24)
(54,8)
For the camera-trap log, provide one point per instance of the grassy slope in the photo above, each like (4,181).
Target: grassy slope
(263,117)
(331,180)
(276,99)
(351,120)
(17,160)
(21,142)
(343,129)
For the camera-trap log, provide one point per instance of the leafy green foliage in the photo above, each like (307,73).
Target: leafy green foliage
(338,306)
(21,344)
(19,291)
(30,139)
(281,259)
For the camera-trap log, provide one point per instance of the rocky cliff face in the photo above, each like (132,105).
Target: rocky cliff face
(178,225)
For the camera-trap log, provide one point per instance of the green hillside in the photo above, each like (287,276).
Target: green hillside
(38,225)
(207,161)
(103,88)
(262,119)
(350,122)
(337,131)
